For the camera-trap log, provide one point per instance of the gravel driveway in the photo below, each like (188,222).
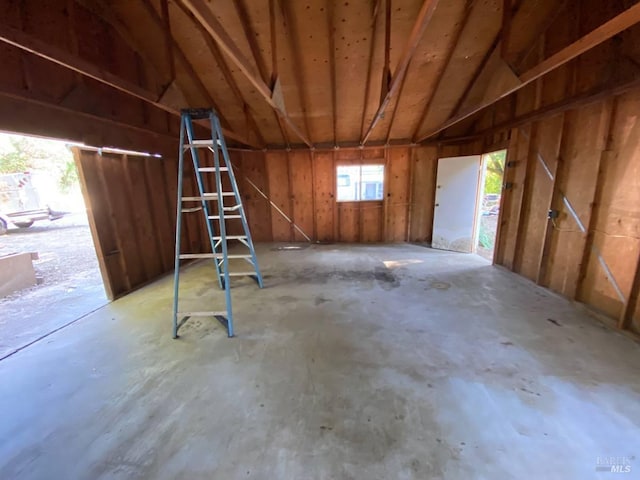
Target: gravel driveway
(71,285)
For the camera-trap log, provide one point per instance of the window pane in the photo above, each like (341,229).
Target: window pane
(372,179)
(348,183)
(360,182)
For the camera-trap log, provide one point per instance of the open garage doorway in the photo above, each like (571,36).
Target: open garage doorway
(49,272)
(493,164)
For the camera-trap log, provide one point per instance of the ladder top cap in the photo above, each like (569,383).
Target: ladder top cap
(198,113)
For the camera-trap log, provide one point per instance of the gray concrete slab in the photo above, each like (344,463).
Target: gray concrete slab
(356,362)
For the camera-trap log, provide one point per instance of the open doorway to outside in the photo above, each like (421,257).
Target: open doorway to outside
(489,205)
(49,272)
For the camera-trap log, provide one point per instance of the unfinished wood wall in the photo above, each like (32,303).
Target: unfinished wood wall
(584,164)
(130,202)
(303,185)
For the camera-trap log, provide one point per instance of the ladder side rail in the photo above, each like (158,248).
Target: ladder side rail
(205,205)
(223,231)
(243,218)
(176,273)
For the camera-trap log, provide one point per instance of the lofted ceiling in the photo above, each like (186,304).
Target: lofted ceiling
(296,72)
(328,65)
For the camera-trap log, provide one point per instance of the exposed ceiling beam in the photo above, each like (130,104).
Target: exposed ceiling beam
(224,69)
(243,15)
(621,22)
(372,45)
(578,101)
(332,69)
(67,60)
(274,65)
(422,20)
(445,64)
(191,71)
(204,15)
(291,34)
(168,38)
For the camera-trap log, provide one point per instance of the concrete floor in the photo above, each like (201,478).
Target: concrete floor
(356,362)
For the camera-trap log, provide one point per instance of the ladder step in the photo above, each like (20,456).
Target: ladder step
(213,169)
(190,256)
(199,144)
(232,209)
(217,217)
(241,274)
(202,314)
(207,196)
(232,237)
(191,210)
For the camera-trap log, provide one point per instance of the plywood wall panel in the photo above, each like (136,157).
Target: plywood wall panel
(348,222)
(324,195)
(581,155)
(424,170)
(162,209)
(397,194)
(277,165)
(370,222)
(301,182)
(257,207)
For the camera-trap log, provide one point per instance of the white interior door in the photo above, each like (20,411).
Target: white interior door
(454,218)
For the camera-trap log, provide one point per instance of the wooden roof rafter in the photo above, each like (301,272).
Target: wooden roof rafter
(175,49)
(274,65)
(440,74)
(215,29)
(422,20)
(226,72)
(76,64)
(619,23)
(372,45)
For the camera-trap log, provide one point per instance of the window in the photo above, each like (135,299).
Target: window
(360,182)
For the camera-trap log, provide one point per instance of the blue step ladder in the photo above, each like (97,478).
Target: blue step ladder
(216,220)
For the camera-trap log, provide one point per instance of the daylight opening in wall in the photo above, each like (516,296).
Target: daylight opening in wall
(48,262)
(356,183)
(492,174)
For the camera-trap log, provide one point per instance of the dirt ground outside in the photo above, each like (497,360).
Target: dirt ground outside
(488,225)
(70,286)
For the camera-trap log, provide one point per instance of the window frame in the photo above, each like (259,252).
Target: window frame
(359,183)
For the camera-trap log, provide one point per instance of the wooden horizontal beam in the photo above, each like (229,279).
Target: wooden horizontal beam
(67,60)
(140,136)
(556,108)
(203,13)
(422,20)
(604,32)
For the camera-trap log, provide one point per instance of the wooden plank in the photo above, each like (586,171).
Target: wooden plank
(278,181)
(162,210)
(397,195)
(258,209)
(421,22)
(98,216)
(423,193)
(507,198)
(556,136)
(324,193)
(301,193)
(371,222)
(143,228)
(348,222)
(122,219)
(526,201)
